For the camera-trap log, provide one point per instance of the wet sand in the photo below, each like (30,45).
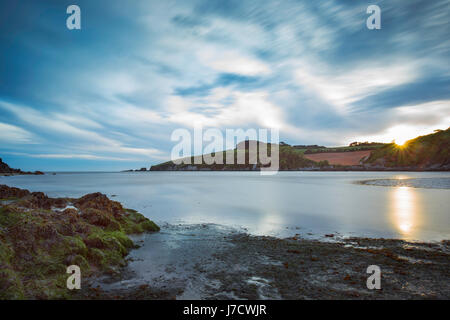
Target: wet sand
(213,262)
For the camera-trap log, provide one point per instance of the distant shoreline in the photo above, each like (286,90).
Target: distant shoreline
(308,170)
(154,171)
(37,173)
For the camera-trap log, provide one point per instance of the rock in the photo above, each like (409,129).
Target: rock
(59,203)
(11,192)
(71,212)
(5,169)
(46,231)
(37,241)
(100,218)
(101,202)
(38,200)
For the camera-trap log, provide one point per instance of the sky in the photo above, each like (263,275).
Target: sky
(108,96)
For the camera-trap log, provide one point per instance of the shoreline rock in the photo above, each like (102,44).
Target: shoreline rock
(41,236)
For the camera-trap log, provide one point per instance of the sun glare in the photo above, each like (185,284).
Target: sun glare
(402,135)
(401,142)
(399,134)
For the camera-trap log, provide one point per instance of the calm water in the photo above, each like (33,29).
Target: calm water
(307,203)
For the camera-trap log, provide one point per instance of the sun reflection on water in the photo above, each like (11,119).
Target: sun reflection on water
(270,221)
(405,211)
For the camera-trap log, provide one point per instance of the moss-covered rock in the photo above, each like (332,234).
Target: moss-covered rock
(134,222)
(38,241)
(10,284)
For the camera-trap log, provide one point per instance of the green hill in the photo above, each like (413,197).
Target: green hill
(290,158)
(425,152)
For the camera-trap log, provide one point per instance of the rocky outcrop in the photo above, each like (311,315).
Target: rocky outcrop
(11,192)
(137,170)
(6,170)
(40,236)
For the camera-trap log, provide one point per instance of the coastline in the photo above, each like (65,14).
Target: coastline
(8,174)
(195,168)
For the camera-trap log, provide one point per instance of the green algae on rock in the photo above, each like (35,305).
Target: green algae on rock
(41,236)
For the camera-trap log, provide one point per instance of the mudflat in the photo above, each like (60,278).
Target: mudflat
(209,262)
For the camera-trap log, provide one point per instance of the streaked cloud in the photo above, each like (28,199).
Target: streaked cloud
(416,121)
(342,89)
(10,134)
(232,62)
(69,156)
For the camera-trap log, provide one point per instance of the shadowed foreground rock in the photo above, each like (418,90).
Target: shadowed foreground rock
(41,236)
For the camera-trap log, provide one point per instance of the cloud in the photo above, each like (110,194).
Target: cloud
(74,138)
(435,113)
(10,134)
(47,123)
(233,62)
(76,120)
(343,89)
(117,83)
(118,88)
(69,156)
(229,108)
(415,121)
(223,80)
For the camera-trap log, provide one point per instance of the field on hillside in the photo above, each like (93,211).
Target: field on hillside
(342,158)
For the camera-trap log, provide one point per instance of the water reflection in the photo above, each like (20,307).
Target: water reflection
(405,211)
(270,221)
(319,202)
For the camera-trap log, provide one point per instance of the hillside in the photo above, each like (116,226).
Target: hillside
(348,158)
(430,152)
(425,152)
(291,158)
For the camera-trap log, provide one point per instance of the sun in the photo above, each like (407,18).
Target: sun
(401,142)
(402,135)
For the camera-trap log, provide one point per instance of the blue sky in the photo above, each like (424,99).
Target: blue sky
(108,96)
